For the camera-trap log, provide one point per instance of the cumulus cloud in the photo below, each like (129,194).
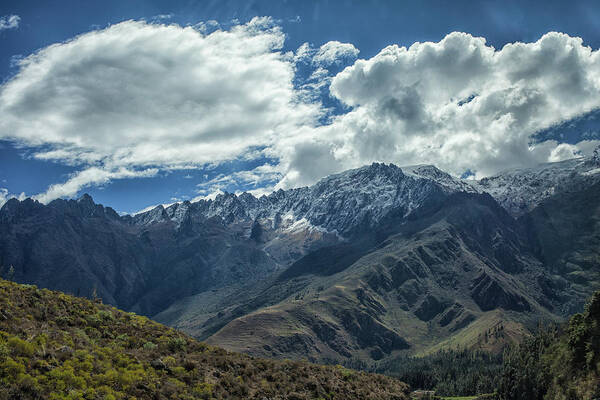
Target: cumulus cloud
(330,53)
(334,52)
(136,95)
(304,53)
(564,151)
(3,196)
(461,104)
(9,22)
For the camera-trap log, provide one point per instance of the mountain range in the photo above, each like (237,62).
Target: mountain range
(366,265)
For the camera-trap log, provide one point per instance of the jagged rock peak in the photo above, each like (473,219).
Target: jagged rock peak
(337,203)
(389,171)
(521,190)
(157,214)
(447,181)
(88,207)
(10,204)
(86,199)
(11,209)
(84,206)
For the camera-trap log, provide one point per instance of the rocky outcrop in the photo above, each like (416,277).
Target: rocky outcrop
(490,294)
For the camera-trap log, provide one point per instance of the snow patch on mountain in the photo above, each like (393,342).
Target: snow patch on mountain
(337,203)
(521,190)
(591,172)
(447,181)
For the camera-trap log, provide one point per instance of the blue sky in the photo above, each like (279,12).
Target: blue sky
(317,135)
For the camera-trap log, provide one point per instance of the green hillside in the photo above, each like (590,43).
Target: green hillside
(55,346)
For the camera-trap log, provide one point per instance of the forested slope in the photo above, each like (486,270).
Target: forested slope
(557,363)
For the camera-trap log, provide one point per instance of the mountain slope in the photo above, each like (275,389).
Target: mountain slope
(452,271)
(461,263)
(146,262)
(80,247)
(57,346)
(521,190)
(565,231)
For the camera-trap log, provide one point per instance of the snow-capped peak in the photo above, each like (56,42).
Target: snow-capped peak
(342,202)
(446,180)
(521,190)
(337,203)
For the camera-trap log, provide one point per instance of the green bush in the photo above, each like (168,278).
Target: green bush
(176,345)
(21,347)
(150,346)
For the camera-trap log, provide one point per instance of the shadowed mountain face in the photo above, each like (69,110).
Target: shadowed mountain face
(80,247)
(365,264)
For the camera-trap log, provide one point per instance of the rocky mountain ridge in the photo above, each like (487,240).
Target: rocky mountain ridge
(521,190)
(341,202)
(338,203)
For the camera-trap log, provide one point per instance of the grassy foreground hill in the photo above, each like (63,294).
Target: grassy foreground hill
(55,346)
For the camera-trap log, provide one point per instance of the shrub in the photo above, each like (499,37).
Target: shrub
(204,390)
(176,345)
(149,346)
(21,347)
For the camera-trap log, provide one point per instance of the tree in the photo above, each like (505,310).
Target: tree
(11,273)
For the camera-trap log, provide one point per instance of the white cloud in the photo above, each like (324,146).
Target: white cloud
(208,196)
(137,95)
(88,177)
(458,103)
(334,52)
(259,179)
(208,26)
(564,151)
(9,22)
(5,195)
(162,17)
(304,52)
